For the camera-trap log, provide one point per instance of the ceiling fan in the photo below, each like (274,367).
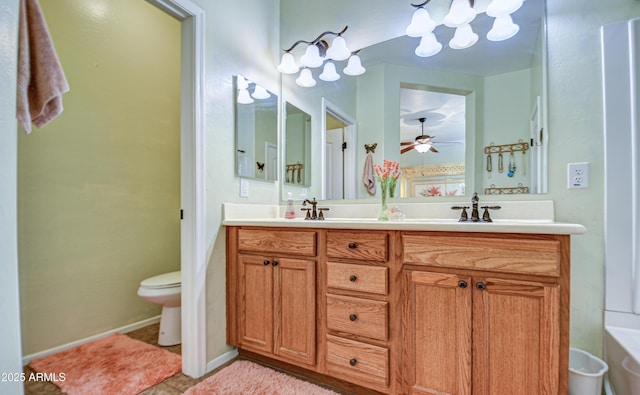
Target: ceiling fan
(422,143)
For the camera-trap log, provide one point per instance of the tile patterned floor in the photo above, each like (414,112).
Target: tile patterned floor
(174,385)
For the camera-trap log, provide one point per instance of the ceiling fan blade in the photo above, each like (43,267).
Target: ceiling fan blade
(407,149)
(432,149)
(407,142)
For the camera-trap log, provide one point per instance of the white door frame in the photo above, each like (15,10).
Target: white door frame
(193,261)
(350,137)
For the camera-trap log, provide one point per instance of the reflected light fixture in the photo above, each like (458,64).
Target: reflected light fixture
(244,87)
(319,53)
(422,148)
(461,14)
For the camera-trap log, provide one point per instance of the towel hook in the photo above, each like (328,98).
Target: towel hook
(370,148)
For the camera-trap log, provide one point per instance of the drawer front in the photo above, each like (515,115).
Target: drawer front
(358,245)
(358,362)
(509,255)
(362,317)
(295,242)
(371,279)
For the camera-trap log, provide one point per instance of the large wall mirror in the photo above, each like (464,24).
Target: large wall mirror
(484,106)
(256,131)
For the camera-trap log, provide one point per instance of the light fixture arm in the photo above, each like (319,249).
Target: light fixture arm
(471,2)
(317,39)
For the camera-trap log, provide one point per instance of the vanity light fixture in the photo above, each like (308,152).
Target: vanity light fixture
(319,53)
(244,97)
(461,14)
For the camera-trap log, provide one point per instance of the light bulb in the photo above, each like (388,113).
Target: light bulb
(260,93)
(338,49)
(311,57)
(288,64)
(503,7)
(421,24)
(460,13)
(354,66)
(503,28)
(429,46)
(463,38)
(329,73)
(244,97)
(305,79)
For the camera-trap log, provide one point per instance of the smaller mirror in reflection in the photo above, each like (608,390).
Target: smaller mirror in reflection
(256,131)
(298,146)
(432,142)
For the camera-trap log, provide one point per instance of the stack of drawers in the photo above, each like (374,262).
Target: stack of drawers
(357,301)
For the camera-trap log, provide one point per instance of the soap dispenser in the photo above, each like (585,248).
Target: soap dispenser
(290,213)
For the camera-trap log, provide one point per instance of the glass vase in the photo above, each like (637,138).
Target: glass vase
(383,207)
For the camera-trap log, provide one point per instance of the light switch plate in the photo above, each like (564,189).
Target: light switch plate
(244,188)
(578,175)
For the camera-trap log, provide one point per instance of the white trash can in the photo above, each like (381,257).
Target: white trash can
(585,373)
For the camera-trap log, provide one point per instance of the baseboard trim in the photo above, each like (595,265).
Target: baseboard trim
(123,329)
(221,360)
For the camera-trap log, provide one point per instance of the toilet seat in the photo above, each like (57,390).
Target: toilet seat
(166,280)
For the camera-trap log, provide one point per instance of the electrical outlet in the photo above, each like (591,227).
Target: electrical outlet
(244,188)
(578,175)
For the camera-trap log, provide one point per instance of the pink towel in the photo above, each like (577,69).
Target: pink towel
(41,81)
(369,175)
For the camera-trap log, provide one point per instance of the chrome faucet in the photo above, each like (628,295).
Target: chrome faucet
(314,213)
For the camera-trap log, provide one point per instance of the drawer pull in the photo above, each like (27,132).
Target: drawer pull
(266,262)
(352,246)
(353,278)
(274,263)
(481,286)
(353,317)
(353,362)
(462,284)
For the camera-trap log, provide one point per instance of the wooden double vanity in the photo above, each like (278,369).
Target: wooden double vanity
(400,308)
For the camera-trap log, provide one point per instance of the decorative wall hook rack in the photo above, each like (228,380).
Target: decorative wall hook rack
(499,149)
(493,190)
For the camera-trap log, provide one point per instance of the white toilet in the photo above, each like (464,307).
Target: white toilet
(165,290)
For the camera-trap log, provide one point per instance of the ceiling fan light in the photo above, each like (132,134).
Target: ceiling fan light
(503,7)
(305,79)
(242,82)
(464,37)
(354,66)
(461,13)
(422,148)
(503,28)
(338,49)
(421,23)
(244,97)
(288,64)
(260,93)
(429,46)
(311,57)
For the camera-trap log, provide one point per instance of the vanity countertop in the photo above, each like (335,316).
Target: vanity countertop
(422,217)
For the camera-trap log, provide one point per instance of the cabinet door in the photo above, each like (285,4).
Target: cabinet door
(437,333)
(515,337)
(255,303)
(295,310)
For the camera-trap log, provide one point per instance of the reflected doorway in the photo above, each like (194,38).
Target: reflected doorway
(339,156)
(335,146)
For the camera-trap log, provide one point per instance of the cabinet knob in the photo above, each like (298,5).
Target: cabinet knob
(462,284)
(481,286)
(353,362)
(352,246)
(353,317)
(274,263)
(266,262)
(353,278)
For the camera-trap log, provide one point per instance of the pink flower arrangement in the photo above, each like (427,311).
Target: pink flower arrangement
(387,175)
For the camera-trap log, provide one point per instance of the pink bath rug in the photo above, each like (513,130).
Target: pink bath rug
(114,365)
(244,377)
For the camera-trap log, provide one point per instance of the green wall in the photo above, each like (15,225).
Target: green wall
(99,187)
